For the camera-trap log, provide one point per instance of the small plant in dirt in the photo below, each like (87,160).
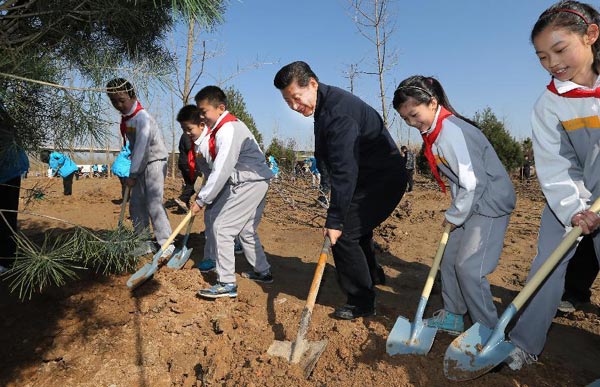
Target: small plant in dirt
(37,267)
(60,256)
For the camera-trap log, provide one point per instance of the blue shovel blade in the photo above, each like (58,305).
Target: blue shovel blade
(179,258)
(406,338)
(470,355)
(140,276)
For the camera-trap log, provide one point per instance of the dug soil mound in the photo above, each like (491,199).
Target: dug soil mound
(95,332)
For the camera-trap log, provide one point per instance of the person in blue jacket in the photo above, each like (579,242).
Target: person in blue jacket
(13,163)
(120,167)
(61,165)
(273,166)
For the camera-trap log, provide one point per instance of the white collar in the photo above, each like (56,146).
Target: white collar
(566,86)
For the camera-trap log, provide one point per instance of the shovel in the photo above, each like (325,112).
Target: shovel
(479,349)
(181,256)
(123,205)
(140,276)
(301,351)
(417,338)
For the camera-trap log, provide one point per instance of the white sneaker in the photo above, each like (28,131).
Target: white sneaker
(566,307)
(517,358)
(168,251)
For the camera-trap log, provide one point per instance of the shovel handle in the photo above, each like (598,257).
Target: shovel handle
(185,220)
(123,205)
(551,262)
(435,265)
(316,282)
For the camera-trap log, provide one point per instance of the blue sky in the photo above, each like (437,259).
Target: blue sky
(478,49)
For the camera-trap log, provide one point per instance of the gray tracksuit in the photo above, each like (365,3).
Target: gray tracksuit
(234,194)
(149,167)
(566,145)
(483,198)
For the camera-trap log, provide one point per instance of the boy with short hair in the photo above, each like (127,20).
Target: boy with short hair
(234,193)
(148,164)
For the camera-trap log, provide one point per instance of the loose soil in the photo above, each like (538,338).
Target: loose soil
(95,332)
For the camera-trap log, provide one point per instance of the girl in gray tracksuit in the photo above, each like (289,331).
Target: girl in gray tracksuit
(566,146)
(483,198)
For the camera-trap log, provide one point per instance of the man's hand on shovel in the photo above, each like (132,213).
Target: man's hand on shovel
(332,234)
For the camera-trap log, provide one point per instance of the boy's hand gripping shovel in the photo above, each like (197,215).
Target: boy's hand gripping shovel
(416,338)
(479,349)
(140,276)
(181,256)
(301,351)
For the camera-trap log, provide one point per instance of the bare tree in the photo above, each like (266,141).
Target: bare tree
(374,22)
(352,73)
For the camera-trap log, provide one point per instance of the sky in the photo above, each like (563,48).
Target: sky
(478,49)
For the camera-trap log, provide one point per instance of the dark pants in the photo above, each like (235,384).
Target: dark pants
(353,254)
(9,200)
(68,184)
(409,176)
(581,273)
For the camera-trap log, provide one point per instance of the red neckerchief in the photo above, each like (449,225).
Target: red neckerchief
(212,146)
(575,93)
(124,119)
(429,139)
(192,162)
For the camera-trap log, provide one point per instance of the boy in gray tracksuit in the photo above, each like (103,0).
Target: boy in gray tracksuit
(234,193)
(148,164)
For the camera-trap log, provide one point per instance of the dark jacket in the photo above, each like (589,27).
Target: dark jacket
(356,147)
(185,144)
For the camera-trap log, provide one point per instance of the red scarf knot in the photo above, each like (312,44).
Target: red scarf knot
(429,139)
(124,119)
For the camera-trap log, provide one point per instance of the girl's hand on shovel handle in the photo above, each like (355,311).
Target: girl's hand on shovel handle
(587,220)
(332,234)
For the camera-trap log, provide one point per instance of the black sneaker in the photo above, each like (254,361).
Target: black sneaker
(350,312)
(265,278)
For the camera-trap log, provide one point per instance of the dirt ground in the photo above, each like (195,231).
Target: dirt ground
(95,332)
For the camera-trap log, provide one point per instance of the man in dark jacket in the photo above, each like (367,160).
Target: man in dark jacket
(366,175)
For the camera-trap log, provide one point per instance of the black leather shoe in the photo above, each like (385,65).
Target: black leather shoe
(350,312)
(379,276)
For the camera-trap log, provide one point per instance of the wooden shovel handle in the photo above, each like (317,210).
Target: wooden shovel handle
(123,205)
(551,262)
(176,231)
(316,283)
(435,265)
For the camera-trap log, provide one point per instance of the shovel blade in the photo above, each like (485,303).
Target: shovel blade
(179,258)
(406,338)
(140,276)
(311,352)
(470,355)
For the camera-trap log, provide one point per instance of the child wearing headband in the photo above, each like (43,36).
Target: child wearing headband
(566,139)
(483,198)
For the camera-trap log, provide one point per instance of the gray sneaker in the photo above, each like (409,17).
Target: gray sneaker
(517,358)
(265,277)
(144,248)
